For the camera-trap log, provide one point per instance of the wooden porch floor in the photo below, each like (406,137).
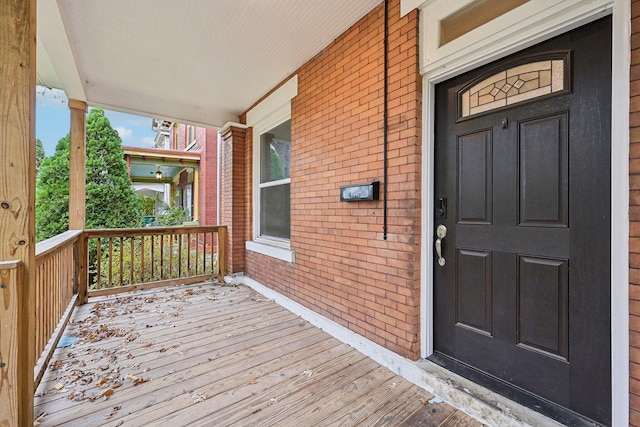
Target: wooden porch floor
(213,355)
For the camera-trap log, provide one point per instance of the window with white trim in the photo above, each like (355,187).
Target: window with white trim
(275,182)
(271,123)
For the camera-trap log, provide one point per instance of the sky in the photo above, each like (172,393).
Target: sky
(52,122)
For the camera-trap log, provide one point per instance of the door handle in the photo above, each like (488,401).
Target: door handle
(441,233)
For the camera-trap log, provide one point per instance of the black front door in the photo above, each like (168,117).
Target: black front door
(522,302)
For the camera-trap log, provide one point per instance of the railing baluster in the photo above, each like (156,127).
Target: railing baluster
(197,253)
(98,278)
(153,257)
(204,253)
(110,281)
(171,239)
(180,255)
(188,254)
(162,256)
(121,259)
(132,257)
(142,264)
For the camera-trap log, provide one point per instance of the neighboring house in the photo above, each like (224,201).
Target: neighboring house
(503,138)
(187,158)
(201,206)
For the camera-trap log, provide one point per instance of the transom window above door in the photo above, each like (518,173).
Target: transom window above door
(520,82)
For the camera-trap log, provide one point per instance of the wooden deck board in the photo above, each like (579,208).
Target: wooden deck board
(213,355)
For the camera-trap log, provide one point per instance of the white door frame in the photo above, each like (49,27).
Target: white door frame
(525,26)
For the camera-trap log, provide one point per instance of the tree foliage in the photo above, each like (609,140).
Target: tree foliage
(110,199)
(52,193)
(39,155)
(148,204)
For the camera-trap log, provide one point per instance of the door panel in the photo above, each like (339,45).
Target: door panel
(522,302)
(544,149)
(475,178)
(543,315)
(473,293)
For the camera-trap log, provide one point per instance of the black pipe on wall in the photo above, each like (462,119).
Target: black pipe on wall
(385,104)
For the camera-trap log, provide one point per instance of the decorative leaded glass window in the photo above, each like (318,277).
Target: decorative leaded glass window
(541,75)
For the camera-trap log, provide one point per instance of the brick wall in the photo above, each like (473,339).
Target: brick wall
(634,216)
(344,269)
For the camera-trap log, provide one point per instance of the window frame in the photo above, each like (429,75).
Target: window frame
(271,112)
(280,117)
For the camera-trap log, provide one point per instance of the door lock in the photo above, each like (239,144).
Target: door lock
(441,233)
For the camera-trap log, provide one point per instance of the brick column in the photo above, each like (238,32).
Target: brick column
(235,202)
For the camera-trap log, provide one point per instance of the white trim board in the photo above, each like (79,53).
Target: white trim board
(547,19)
(482,404)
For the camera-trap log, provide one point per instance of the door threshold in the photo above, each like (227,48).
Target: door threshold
(483,403)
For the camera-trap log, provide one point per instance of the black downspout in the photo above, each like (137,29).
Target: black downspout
(385,103)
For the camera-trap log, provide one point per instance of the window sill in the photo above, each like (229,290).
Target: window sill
(269,249)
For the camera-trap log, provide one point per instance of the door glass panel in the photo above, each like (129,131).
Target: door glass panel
(515,84)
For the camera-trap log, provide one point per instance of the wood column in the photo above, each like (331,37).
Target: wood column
(196,196)
(77,173)
(17,210)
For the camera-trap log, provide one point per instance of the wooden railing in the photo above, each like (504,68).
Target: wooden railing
(76,265)
(55,296)
(121,260)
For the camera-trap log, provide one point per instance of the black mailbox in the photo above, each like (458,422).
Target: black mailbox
(360,192)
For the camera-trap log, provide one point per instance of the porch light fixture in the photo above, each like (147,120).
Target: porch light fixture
(158,174)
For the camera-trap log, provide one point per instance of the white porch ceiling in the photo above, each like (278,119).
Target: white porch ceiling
(194,61)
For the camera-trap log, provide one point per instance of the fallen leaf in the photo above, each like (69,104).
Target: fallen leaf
(113,412)
(36,422)
(199,397)
(253,382)
(102,381)
(58,386)
(76,395)
(107,392)
(137,380)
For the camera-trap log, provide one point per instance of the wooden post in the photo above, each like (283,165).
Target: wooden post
(17,209)
(222,252)
(196,195)
(81,263)
(13,385)
(77,173)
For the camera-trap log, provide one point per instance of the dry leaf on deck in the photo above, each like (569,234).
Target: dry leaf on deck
(199,397)
(36,422)
(58,386)
(136,380)
(113,412)
(102,381)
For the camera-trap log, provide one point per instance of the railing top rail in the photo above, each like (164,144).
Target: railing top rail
(10,264)
(56,242)
(151,231)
